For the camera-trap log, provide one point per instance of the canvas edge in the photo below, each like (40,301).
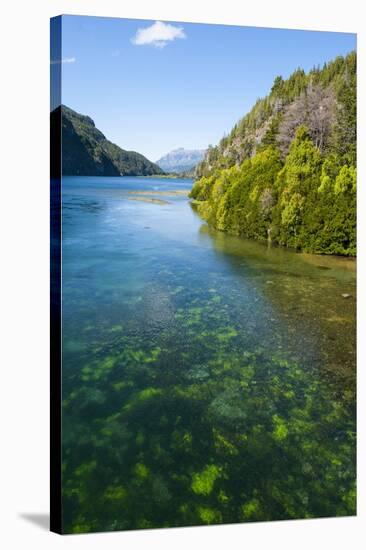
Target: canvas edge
(55,276)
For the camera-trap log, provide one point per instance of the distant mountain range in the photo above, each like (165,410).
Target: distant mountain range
(87,152)
(181,160)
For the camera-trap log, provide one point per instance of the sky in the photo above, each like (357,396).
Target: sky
(153,86)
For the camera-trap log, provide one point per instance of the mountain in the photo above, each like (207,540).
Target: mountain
(286,173)
(87,152)
(181,160)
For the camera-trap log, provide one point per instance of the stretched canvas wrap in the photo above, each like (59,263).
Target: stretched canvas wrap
(203,282)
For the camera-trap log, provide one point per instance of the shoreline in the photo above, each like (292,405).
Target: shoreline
(195,204)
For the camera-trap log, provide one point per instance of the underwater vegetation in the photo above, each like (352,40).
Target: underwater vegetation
(169,434)
(202,383)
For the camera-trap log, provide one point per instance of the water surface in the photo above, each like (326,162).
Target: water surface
(206,378)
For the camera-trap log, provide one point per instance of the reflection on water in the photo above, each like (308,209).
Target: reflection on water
(206,379)
(317,306)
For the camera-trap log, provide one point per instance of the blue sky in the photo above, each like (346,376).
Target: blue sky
(181,85)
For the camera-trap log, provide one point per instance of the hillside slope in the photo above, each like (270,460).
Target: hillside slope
(87,152)
(287,170)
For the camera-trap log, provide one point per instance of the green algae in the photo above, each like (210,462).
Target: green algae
(203,482)
(220,399)
(140,397)
(209,515)
(280,431)
(223,445)
(251,509)
(234,405)
(116,493)
(141,471)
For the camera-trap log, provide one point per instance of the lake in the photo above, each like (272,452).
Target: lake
(206,378)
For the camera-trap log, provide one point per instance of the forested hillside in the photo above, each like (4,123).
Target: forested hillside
(287,170)
(87,152)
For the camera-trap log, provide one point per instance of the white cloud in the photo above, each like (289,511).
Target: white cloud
(159,34)
(65,60)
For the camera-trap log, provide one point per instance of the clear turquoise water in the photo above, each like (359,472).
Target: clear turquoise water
(206,378)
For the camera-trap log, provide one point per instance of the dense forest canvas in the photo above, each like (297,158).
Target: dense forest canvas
(203,274)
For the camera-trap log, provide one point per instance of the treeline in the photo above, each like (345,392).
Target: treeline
(297,186)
